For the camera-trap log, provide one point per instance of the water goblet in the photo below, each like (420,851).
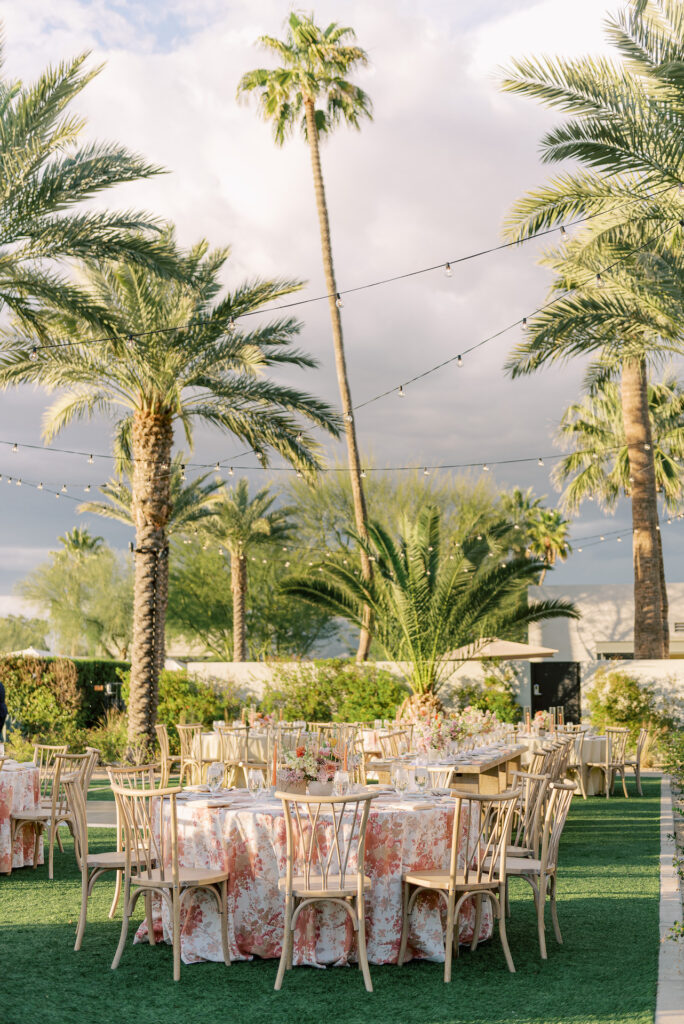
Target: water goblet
(401,781)
(340,783)
(255,782)
(422,779)
(215,776)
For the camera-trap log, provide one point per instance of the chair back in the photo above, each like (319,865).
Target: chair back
(139,776)
(616,743)
(233,742)
(163,741)
(480,835)
(641,743)
(190,740)
(150,830)
(326,838)
(528,813)
(537,762)
(563,759)
(76,803)
(44,757)
(95,753)
(578,748)
(67,767)
(560,798)
(392,744)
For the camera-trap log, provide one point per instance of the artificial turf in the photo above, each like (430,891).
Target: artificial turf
(605,972)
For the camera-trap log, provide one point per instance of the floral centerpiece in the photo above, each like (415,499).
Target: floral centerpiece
(305,765)
(542,720)
(259,720)
(437,732)
(477,722)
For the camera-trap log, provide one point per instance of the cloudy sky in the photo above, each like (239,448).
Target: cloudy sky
(430,180)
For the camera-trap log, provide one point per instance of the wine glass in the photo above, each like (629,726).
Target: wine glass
(255,782)
(215,776)
(401,781)
(422,779)
(340,783)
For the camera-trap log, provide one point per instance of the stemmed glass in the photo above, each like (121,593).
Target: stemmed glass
(422,779)
(340,783)
(255,782)
(401,781)
(215,776)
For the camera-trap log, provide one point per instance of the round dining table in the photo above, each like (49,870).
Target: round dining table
(593,752)
(19,793)
(246,837)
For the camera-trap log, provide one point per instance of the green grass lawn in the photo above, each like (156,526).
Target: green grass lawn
(605,972)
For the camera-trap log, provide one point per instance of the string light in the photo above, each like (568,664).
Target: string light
(459,361)
(402,393)
(524,321)
(87,488)
(338,301)
(40,485)
(599,281)
(540,461)
(64,488)
(485,468)
(90,460)
(19,482)
(363,474)
(563,233)
(231,471)
(426,471)
(217,468)
(14,447)
(447,269)
(130,342)
(33,354)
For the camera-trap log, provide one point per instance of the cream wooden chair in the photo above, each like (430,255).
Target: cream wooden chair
(150,827)
(481,834)
(233,742)
(91,865)
(191,762)
(141,776)
(440,776)
(635,762)
(541,873)
(528,813)
(169,762)
(392,744)
(326,841)
(44,757)
(614,763)
(576,762)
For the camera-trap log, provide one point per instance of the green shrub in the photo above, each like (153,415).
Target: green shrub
(43,698)
(672,746)
(494,693)
(110,736)
(618,699)
(334,691)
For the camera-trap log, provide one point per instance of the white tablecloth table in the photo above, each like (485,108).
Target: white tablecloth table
(247,838)
(258,746)
(593,750)
(19,791)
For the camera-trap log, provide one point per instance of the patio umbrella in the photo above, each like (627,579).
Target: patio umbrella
(491,647)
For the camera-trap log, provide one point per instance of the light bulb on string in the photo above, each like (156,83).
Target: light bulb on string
(363,474)
(64,488)
(130,342)
(19,482)
(459,361)
(619,540)
(231,471)
(602,538)
(15,447)
(524,321)
(447,269)
(338,301)
(426,471)
(599,281)
(563,233)
(56,494)
(647,447)
(91,460)
(40,485)
(540,461)
(33,354)
(299,438)
(348,417)
(402,393)
(579,550)
(485,468)
(217,468)
(9,479)
(87,488)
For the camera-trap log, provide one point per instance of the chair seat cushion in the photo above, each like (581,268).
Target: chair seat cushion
(334,888)
(441,880)
(187,876)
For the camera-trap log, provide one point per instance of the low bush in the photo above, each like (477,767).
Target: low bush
(618,699)
(334,691)
(110,736)
(43,698)
(495,693)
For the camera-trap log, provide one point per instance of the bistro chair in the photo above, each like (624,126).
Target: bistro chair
(169,762)
(140,776)
(576,763)
(541,873)
(528,813)
(635,762)
(191,762)
(150,827)
(326,841)
(614,763)
(480,836)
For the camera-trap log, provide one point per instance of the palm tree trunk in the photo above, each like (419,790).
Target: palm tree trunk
(162,602)
(650,624)
(664,603)
(152,440)
(238,582)
(360,512)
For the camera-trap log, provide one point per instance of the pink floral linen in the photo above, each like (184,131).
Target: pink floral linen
(19,791)
(248,839)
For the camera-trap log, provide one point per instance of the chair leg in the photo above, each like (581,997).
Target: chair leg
(117,893)
(124,924)
(478,923)
(637,775)
(361,940)
(541,926)
(404,924)
(51,849)
(449,944)
(37,833)
(624,782)
(284,956)
(500,912)
(554,915)
(175,924)
(58,838)
(224,923)
(84,910)
(150,922)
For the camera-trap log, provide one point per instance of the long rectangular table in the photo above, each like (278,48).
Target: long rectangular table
(485,773)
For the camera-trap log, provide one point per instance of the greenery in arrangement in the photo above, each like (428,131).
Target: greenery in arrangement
(608,886)
(428,599)
(333,691)
(211,370)
(86,589)
(311,90)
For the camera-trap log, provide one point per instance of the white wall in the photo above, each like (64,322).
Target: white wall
(666,677)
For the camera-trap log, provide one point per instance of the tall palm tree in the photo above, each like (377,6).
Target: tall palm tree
(81,540)
(598,463)
(240,524)
(205,369)
(190,503)
(628,319)
(311,88)
(427,600)
(46,172)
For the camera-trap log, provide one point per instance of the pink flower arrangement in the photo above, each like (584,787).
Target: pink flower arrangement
(542,720)
(306,765)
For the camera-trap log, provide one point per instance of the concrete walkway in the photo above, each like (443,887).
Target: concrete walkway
(670,1000)
(101,813)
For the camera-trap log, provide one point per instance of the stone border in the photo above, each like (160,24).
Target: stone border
(670,998)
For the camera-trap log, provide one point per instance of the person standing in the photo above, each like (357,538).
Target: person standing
(3,712)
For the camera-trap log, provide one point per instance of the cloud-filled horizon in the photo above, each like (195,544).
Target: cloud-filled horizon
(429,180)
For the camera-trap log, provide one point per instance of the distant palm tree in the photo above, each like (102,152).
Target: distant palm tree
(537,530)
(427,600)
(191,362)
(598,466)
(310,88)
(45,174)
(80,540)
(240,524)
(189,504)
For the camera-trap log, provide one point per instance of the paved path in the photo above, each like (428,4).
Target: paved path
(670,1001)
(101,813)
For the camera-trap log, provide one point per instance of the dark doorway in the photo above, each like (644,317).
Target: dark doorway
(556,684)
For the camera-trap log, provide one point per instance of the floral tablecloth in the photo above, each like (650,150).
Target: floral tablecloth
(248,839)
(19,791)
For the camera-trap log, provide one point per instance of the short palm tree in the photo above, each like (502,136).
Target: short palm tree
(241,524)
(190,503)
(598,464)
(310,88)
(190,363)
(45,174)
(81,540)
(426,600)
(538,530)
